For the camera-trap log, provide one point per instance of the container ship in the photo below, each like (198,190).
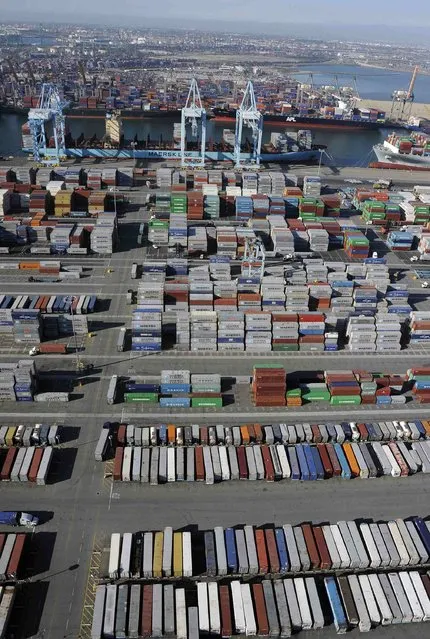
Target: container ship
(288,146)
(329,118)
(413,150)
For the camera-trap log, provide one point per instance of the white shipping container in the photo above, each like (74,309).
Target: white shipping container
(378,593)
(214,608)
(305,612)
(248,611)
(238,612)
(114,555)
(372,607)
(203,605)
(126,463)
(124,563)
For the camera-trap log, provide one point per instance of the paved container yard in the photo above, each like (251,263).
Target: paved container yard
(80,505)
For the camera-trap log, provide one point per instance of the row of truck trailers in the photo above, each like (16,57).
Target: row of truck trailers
(372,588)
(78,304)
(26,464)
(275,462)
(266,609)
(171,435)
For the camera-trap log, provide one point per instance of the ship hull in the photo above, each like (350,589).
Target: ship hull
(308,122)
(159,154)
(384,154)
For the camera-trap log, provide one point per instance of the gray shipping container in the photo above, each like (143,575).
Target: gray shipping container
(157,610)
(412,551)
(102,444)
(169,611)
(391,598)
(293,604)
(207,459)
(272,615)
(42,473)
(250,459)
(181,614)
(363,615)
(162,465)
(234,466)
(110,609)
(167,551)
(121,613)
(314,602)
(148,543)
(293,553)
(155,456)
(180,464)
(145,466)
(401,597)
(98,614)
(216,464)
(281,600)
(380,544)
(220,551)
(193,623)
(390,545)
(134,611)
(136,464)
(252,550)
(190,464)
(356,538)
(242,555)
(302,548)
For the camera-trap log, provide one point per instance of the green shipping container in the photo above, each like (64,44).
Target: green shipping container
(317,396)
(289,348)
(151,398)
(294,392)
(345,399)
(206,402)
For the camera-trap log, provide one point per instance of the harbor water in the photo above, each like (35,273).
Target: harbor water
(347,148)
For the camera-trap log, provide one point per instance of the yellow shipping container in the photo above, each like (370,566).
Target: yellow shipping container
(157,567)
(9,435)
(177,554)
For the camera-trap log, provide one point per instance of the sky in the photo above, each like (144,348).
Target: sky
(271,16)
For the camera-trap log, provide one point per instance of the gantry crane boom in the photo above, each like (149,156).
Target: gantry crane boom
(248,115)
(192,113)
(49,109)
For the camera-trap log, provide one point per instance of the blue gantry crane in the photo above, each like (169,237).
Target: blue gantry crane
(49,110)
(248,115)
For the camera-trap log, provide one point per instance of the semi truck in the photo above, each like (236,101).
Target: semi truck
(18,518)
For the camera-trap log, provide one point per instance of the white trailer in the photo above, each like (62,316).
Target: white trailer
(259,464)
(126,463)
(187,561)
(345,560)
(305,611)
(214,609)
(378,593)
(364,623)
(167,550)
(248,611)
(125,557)
(283,460)
(369,599)
(181,614)
(375,559)
(417,611)
(114,555)
(223,458)
(26,463)
(110,609)
(238,613)
(137,463)
(147,563)
(203,605)
(400,544)
(98,614)
(171,465)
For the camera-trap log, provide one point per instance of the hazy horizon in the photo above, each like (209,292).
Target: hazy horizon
(336,19)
